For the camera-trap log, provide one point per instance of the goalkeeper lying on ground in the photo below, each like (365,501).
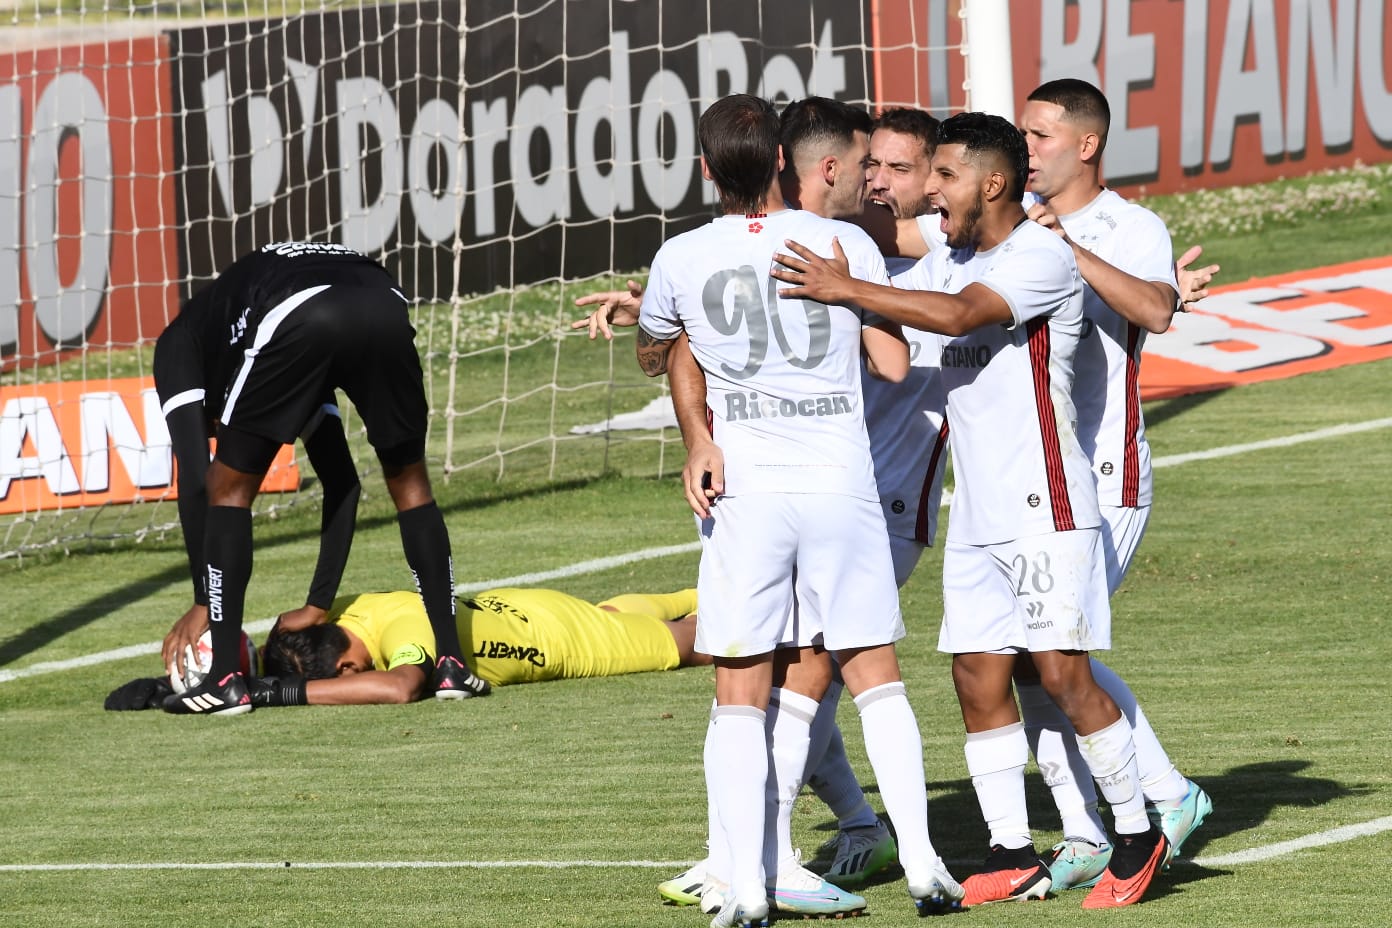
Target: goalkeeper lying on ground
(378,647)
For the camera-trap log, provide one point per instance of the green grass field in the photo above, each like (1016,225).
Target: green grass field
(1254,627)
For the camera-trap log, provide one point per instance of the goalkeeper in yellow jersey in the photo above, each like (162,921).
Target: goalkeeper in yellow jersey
(378,647)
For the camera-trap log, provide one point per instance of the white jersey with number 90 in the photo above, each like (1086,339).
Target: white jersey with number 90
(782,375)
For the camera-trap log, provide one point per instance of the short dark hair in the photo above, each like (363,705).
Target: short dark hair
(987,134)
(312,653)
(907,120)
(739,138)
(1081,103)
(813,120)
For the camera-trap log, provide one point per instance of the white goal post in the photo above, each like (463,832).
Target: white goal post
(499,156)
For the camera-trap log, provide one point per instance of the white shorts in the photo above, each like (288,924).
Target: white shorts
(752,545)
(905,553)
(1123,527)
(1045,593)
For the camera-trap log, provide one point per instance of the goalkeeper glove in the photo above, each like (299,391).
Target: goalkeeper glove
(270,692)
(145,693)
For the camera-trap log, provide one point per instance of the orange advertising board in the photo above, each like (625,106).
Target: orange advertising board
(1274,327)
(88,256)
(1203,94)
(91,443)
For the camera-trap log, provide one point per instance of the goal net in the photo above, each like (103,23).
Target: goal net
(500,157)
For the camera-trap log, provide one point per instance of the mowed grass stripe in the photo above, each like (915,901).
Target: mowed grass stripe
(1238,858)
(620,560)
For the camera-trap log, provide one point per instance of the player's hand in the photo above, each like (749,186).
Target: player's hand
(703,477)
(145,693)
(271,692)
(1193,283)
(1046,217)
(615,308)
(814,277)
(298,619)
(184,634)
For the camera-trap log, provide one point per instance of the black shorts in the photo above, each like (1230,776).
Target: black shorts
(359,339)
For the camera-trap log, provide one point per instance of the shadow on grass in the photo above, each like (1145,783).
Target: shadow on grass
(1169,409)
(1243,798)
(268,539)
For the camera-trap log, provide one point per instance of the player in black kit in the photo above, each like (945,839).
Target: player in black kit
(256,356)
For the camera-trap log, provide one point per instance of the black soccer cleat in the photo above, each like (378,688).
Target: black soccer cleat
(227,696)
(453,680)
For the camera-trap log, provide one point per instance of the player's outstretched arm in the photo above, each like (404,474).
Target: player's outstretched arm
(612,308)
(188,434)
(403,684)
(327,448)
(1149,304)
(1193,282)
(829,281)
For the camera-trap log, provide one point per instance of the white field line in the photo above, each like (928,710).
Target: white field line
(619,560)
(1281,848)
(1252,855)
(1333,431)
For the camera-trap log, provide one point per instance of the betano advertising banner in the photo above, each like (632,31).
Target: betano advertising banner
(1204,93)
(86,198)
(93,442)
(1274,327)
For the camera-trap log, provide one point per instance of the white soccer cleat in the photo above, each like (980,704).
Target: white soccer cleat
(734,914)
(936,892)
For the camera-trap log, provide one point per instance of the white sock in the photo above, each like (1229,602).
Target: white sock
(717,845)
(736,771)
(788,726)
(1160,781)
(1111,755)
(835,784)
(829,771)
(1055,746)
(996,761)
(895,748)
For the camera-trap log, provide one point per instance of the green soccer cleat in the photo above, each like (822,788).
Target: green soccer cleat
(686,887)
(1077,864)
(1180,818)
(860,853)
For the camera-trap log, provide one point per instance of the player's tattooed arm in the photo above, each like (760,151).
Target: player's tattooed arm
(653,352)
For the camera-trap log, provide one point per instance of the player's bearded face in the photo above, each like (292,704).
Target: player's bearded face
(961,225)
(899,174)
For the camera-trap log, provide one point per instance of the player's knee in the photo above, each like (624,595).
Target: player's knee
(397,459)
(245,452)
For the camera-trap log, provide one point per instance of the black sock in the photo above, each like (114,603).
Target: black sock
(426,542)
(227,549)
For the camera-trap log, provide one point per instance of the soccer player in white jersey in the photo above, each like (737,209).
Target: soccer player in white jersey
(1023,570)
(907,445)
(1123,252)
(783,387)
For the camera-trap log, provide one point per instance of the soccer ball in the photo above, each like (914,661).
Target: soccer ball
(191,667)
